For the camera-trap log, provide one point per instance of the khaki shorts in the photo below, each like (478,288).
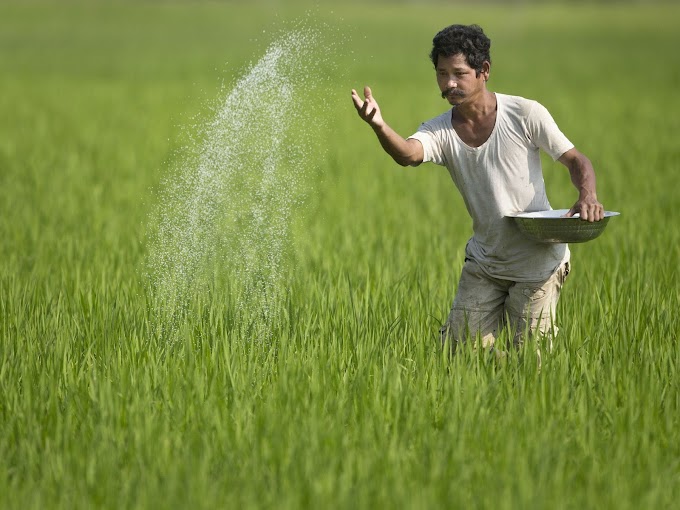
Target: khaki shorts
(484,306)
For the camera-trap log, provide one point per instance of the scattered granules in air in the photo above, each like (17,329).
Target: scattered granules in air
(225,212)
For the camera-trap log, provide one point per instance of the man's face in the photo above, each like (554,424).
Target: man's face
(458,81)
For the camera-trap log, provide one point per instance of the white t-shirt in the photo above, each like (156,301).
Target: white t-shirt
(502,176)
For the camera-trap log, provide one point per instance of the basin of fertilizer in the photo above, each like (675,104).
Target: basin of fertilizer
(553,227)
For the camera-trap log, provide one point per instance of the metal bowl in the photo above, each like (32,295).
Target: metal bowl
(553,227)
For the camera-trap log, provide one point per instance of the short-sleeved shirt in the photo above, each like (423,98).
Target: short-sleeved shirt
(502,176)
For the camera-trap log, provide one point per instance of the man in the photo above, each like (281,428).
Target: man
(490,144)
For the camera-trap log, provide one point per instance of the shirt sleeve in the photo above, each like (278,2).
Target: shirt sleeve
(544,133)
(431,142)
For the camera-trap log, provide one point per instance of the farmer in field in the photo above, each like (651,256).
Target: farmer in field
(490,142)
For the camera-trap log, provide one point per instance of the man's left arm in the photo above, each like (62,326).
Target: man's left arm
(583,178)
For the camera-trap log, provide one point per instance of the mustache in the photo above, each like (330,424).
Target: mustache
(452,91)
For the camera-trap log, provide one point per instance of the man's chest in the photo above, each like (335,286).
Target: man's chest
(475,134)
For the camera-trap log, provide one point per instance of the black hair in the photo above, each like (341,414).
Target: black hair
(468,40)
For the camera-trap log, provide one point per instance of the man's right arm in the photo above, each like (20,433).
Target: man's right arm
(405,152)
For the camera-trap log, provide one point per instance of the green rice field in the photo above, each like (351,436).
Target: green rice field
(342,398)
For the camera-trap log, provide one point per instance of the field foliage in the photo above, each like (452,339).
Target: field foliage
(345,400)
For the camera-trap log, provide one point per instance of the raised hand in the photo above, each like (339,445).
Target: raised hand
(368,109)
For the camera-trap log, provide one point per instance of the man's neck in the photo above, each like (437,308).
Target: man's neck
(477,109)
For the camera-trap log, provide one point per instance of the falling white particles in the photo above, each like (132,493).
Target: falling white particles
(224,213)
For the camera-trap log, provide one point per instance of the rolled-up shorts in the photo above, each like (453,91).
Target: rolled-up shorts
(484,306)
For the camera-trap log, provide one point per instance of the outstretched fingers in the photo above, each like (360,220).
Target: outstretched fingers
(358,103)
(366,108)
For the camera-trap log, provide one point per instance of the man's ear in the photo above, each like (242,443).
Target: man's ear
(486,70)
